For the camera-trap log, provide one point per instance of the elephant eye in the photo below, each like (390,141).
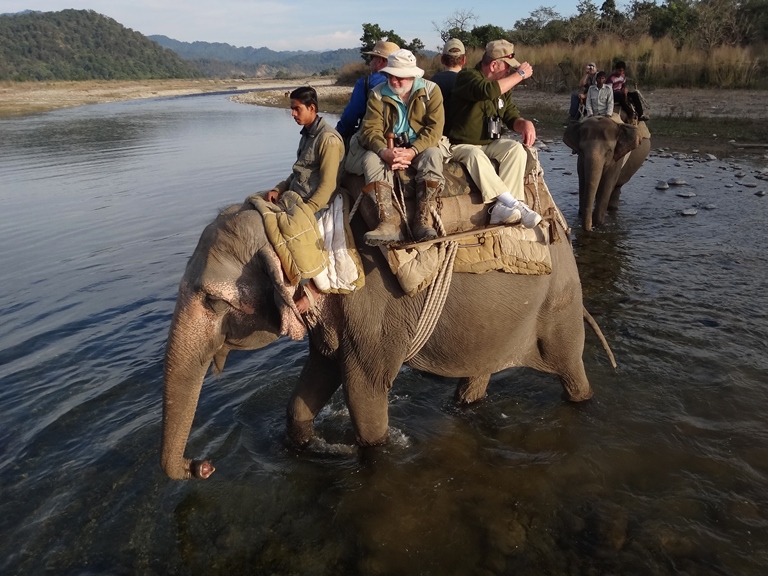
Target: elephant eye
(218,305)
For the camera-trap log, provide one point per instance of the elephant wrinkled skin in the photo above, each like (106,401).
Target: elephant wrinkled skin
(609,154)
(233,295)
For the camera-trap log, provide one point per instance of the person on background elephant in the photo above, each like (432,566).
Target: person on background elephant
(234,296)
(579,97)
(609,154)
(315,175)
(599,100)
(629,100)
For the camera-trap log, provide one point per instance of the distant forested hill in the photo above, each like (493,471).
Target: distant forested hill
(81,45)
(258,61)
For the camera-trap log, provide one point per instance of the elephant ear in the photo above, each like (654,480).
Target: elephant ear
(627,140)
(291,324)
(571,136)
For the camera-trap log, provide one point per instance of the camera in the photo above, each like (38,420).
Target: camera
(494,127)
(402,141)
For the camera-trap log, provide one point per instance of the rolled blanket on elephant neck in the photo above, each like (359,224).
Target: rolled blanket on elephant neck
(292,230)
(308,248)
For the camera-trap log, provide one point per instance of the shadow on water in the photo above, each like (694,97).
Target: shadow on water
(662,472)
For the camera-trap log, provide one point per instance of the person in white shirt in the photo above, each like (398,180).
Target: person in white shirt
(599,97)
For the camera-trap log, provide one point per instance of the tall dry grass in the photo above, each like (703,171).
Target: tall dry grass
(650,63)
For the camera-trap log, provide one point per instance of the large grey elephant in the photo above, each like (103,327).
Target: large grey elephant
(233,296)
(609,154)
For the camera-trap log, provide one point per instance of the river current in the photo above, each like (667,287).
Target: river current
(664,471)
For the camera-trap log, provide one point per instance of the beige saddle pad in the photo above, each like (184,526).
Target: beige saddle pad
(512,249)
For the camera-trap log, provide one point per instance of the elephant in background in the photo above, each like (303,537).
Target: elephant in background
(609,154)
(234,296)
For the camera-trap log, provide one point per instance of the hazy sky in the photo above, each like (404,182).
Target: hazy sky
(291,24)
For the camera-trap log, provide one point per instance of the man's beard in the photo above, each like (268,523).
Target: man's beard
(404,89)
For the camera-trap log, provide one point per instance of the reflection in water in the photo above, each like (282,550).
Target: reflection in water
(662,472)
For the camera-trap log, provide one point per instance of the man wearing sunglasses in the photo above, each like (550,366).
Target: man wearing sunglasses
(481,103)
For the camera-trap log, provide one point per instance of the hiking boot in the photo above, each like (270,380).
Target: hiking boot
(387,232)
(420,228)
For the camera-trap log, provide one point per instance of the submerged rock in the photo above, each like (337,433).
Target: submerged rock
(760,193)
(689,212)
(661,185)
(686,194)
(676,182)
(709,207)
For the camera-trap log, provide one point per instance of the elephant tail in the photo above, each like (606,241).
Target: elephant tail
(591,321)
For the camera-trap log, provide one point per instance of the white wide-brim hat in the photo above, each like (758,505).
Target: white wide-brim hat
(402,64)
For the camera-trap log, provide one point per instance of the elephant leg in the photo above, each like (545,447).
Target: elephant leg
(583,197)
(613,203)
(561,351)
(471,389)
(319,379)
(368,402)
(575,384)
(604,191)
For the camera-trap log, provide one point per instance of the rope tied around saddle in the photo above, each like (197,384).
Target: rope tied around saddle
(437,293)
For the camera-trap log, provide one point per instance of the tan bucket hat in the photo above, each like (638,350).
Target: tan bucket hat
(383,49)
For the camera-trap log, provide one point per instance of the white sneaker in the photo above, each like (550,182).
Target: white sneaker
(503,214)
(529,218)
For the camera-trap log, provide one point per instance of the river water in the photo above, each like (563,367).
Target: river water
(664,471)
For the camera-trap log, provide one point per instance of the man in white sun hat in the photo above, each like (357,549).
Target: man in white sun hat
(481,102)
(411,109)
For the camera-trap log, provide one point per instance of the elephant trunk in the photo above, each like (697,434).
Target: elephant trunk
(189,351)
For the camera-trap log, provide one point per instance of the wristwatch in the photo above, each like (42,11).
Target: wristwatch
(521,72)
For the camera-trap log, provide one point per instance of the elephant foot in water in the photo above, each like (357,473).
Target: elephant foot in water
(471,389)
(300,433)
(574,392)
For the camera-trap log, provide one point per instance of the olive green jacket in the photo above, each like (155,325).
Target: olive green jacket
(316,172)
(475,99)
(425,115)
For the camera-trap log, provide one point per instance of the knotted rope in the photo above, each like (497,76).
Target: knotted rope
(437,292)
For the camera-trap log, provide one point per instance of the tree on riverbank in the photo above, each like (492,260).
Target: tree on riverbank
(81,45)
(719,43)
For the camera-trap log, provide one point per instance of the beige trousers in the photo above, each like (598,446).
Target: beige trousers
(511,157)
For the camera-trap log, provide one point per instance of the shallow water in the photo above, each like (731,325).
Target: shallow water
(663,471)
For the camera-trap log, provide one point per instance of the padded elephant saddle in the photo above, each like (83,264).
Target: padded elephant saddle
(481,248)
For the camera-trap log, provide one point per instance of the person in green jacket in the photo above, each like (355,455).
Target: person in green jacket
(411,109)
(482,102)
(315,174)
